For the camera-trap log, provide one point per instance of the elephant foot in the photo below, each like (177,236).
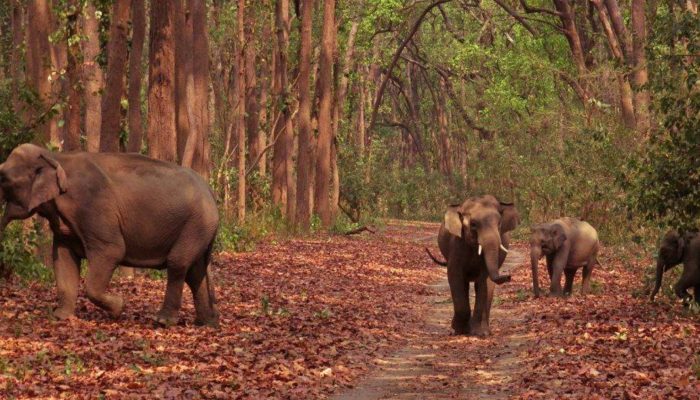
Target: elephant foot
(480,331)
(116,307)
(460,326)
(63,313)
(212,321)
(165,319)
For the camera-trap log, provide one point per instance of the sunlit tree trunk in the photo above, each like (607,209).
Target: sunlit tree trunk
(183,70)
(38,58)
(303,211)
(240,111)
(281,151)
(117,51)
(325,121)
(72,131)
(641,77)
(16,71)
(135,117)
(161,130)
(200,73)
(92,77)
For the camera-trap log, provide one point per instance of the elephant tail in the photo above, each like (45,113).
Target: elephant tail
(210,271)
(435,260)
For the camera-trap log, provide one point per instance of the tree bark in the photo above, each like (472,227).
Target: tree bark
(93,78)
(114,85)
(38,59)
(16,71)
(240,113)
(200,74)
(72,132)
(640,75)
(138,34)
(183,70)
(303,208)
(252,90)
(161,130)
(283,146)
(325,120)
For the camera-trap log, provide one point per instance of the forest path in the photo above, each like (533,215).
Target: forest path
(438,365)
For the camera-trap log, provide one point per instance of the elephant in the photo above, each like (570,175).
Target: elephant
(474,238)
(117,209)
(679,248)
(568,244)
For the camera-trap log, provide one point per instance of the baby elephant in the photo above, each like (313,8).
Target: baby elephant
(568,245)
(675,249)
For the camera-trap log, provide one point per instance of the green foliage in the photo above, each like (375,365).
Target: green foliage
(17,253)
(664,183)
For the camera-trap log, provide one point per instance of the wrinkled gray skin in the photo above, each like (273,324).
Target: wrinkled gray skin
(676,249)
(568,244)
(114,209)
(478,221)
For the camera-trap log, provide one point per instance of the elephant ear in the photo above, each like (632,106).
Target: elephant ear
(50,181)
(558,235)
(454,221)
(510,218)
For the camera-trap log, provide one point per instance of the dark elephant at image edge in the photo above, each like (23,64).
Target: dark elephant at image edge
(474,238)
(676,248)
(567,245)
(117,209)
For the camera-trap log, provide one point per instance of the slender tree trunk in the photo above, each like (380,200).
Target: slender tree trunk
(117,51)
(183,70)
(361,128)
(59,81)
(283,146)
(325,121)
(161,131)
(38,58)
(16,71)
(138,35)
(93,78)
(626,96)
(72,132)
(303,208)
(200,73)
(641,77)
(240,112)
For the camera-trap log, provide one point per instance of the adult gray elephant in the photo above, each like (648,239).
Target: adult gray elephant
(568,244)
(675,249)
(474,239)
(114,209)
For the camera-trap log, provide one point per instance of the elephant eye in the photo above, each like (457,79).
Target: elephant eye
(472,224)
(38,170)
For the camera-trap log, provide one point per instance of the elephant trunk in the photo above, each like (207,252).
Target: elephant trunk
(660,267)
(491,245)
(535,254)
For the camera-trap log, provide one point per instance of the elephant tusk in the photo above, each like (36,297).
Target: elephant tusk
(503,248)
(479,249)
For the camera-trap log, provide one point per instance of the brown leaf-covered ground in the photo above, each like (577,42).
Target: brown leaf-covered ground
(308,318)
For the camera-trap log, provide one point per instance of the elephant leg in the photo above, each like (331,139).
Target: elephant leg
(549,266)
(99,274)
(681,289)
(66,266)
(199,281)
(569,280)
(587,272)
(459,288)
(168,313)
(480,326)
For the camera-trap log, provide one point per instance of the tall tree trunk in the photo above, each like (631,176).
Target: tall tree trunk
(251,89)
(200,73)
(16,72)
(240,112)
(325,120)
(303,211)
(183,70)
(59,83)
(161,131)
(566,15)
(283,145)
(361,127)
(641,77)
(93,78)
(138,35)
(626,96)
(117,51)
(72,132)
(38,58)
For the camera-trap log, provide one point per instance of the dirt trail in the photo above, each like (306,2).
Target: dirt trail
(437,365)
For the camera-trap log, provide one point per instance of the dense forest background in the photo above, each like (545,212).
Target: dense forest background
(320,115)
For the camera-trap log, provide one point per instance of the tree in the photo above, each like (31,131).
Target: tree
(114,84)
(325,122)
(138,36)
(284,141)
(37,29)
(161,131)
(92,76)
(73,123)
(240,109)
(303,211)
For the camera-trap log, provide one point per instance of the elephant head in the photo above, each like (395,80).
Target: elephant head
(545,239)
(29,178)
(671,252)
(481,222)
